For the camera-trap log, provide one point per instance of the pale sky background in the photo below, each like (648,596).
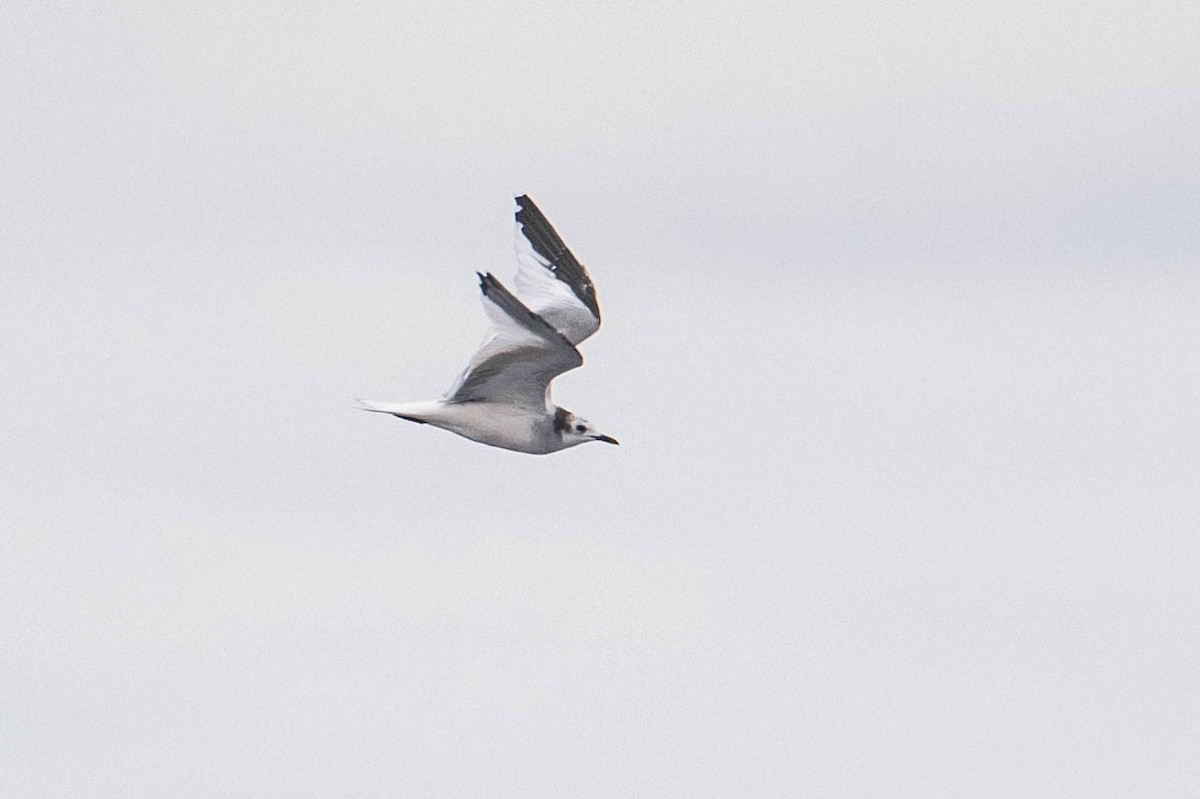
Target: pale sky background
(901,309)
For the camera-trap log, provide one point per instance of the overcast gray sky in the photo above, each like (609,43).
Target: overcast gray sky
(900,342)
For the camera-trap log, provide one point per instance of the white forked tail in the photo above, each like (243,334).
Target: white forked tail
(419,412)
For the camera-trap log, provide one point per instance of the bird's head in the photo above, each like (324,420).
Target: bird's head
(577,430)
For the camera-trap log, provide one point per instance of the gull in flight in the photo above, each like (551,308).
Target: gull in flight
(502,398)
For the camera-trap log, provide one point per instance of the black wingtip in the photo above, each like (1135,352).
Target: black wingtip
(546,242)
(528,213)
(486,281)
(527,208)
(506,301)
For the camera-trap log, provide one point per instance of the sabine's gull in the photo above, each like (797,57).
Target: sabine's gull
(502,398)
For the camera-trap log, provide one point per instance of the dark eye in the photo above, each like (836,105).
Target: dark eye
(579,428)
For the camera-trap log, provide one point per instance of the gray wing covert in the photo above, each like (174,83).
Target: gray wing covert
(522,356)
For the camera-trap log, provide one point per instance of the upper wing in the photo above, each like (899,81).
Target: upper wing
(552,283)
(519,358)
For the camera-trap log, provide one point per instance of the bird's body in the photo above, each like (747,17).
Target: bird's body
(494,423)
(502,398)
